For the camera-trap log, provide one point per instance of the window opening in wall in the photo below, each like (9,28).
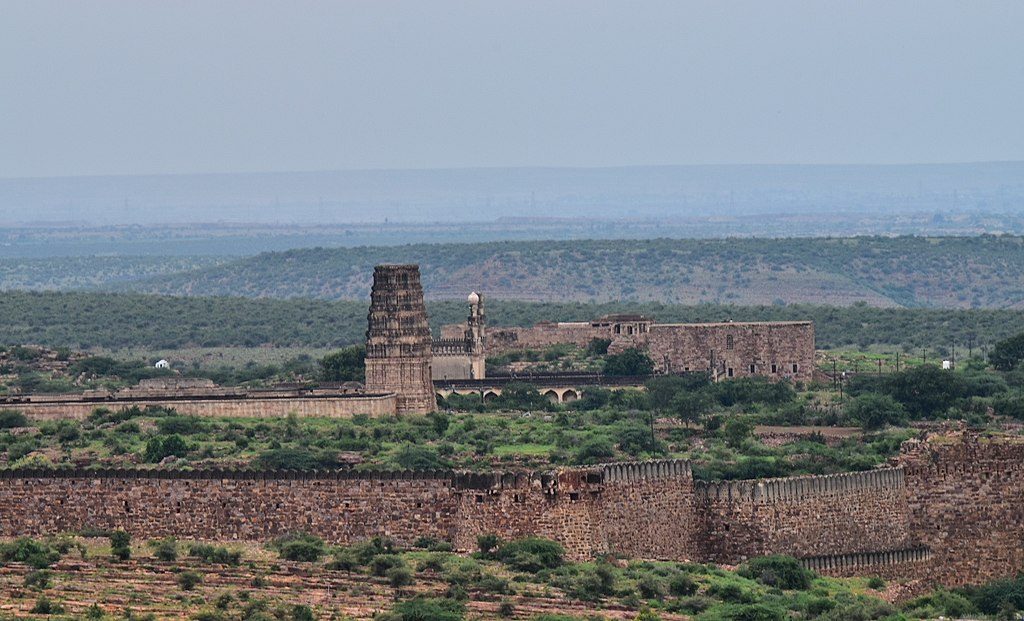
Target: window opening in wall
(775,368)
(479,497)
(752,369)
(728,372)
(574,495)
(795,367)
(729,342)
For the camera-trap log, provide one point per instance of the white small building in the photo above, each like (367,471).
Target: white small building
(947,365)
(162,364)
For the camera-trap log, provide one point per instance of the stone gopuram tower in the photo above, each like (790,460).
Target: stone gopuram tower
(398,341)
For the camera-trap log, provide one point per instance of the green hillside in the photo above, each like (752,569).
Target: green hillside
(89,320)
(946,272)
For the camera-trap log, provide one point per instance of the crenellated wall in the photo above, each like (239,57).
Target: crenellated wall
(948,511)
(804,516)
(347,506)
(250,406)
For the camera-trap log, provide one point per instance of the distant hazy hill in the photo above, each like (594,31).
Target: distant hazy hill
(475,194)
(955,272)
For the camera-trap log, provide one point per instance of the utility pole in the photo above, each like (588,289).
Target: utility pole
(879,366)
(897,362)
(835,377)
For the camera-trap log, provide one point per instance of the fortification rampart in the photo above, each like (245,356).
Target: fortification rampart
(804,516)
(966,499)
(948,511)
(347,506)
(279,406)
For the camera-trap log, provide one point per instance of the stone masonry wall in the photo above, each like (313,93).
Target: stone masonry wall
(541,336)
(966,498)
(804,516)
(949,512)
(255,407)
(774,349)
(348,506)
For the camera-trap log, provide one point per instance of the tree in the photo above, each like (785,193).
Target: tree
(925,391)
(874,411)
(690,407)
(598,346)
(630,362)
(737,431)
(346,365)
(159,448)
(418,457)
(120,545)
(1007,354)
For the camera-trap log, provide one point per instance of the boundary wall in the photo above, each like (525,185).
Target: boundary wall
(332,406)
(806,516)
(948,511)
(966,498)
(590,511)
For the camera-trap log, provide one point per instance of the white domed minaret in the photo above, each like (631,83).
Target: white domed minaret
(476,335)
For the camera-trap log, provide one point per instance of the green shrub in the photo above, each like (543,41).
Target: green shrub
(940,603)
(682,585)
(12,418)
(729,592)
(344,559)
(783,572)
(748,612)
(165,549)
(531,554)
(299,547)
(45,606)
(993,597)
(159,448)
(38,554)
(120,545)
(874,582)
(189,580)
(594,451)
(295,459)
(399,576)
(426,609)
(650,587)
(488,545)
(214,554)
(38,579)
(382,563)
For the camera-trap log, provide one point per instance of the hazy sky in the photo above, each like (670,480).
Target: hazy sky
(103,87)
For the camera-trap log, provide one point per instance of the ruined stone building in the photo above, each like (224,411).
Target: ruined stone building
(772,349)
(398,343)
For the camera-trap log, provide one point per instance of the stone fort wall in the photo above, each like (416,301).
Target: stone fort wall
(947,511)
(966,500)
(809,516)
(341,406)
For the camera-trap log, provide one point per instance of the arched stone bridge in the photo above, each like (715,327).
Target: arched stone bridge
(558,387)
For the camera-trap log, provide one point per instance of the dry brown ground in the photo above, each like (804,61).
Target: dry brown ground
(146,585)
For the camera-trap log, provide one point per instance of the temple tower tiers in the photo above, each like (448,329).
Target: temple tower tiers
(398,339)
